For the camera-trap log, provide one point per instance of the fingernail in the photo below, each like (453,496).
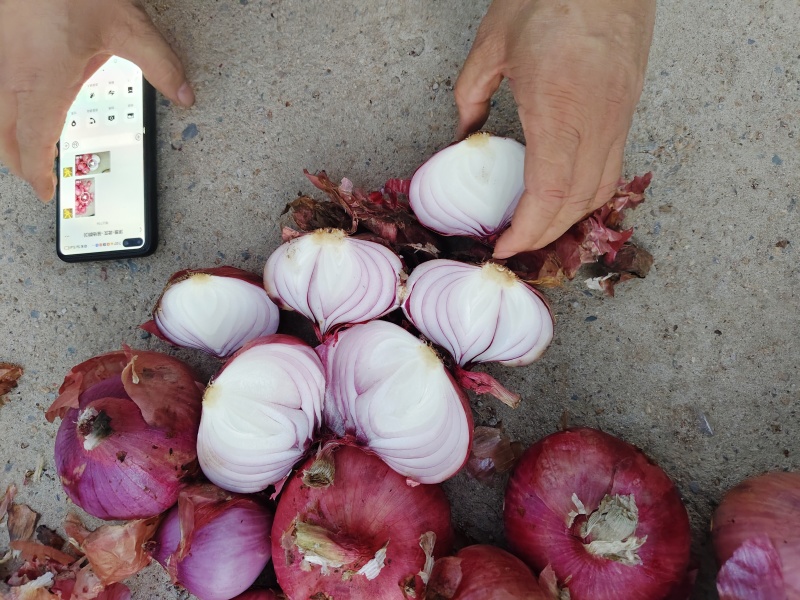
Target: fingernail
(502,254)
(186,95)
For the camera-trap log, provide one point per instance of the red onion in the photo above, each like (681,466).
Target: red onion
(333,279)
(349,527)
(258,595)
(755,539)
(609,521)
(214,310)
(214,543)
(260,413)
(391,392)
(478,314)
(128,431)
(470,188)
(476,569)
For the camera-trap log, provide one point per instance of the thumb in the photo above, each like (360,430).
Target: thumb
(141,43)
(479,79)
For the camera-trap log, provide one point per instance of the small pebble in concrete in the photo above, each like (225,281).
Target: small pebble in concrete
(694,487)
(590,319)
(190,132)
(35,314)
(777,160)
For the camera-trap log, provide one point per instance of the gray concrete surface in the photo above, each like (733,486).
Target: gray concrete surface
(697,364)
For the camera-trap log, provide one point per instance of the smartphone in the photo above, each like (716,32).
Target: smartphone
(106,168)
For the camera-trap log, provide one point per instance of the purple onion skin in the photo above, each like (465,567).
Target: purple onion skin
(593,464)
(227,553)
(765,507)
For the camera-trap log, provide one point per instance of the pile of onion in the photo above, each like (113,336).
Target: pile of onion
(347,526)
(128,433)
(755,541)
(601,515)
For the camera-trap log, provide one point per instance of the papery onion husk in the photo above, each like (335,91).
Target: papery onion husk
(481,572)
(608,520)
(333,279)
(128,433)
(756,541)
(115,552)
(347,526)
(260,413)
(470,188)
(214,543)
(478,314)
(390,391)
(214,310)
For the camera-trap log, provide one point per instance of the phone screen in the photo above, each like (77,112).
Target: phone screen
(103,203)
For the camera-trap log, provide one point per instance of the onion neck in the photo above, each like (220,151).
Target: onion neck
(609,532)
(94,427)
(320,546)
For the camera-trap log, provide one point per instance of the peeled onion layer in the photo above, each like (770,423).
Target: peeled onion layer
(470,188)
(638,548)
(260,413)
(214,310)
(128,433)
(358,532)
(391,392)
(470,574)
(333,279)
(214,543)
(755,521)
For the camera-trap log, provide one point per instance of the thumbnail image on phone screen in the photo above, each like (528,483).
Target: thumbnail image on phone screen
(106,167)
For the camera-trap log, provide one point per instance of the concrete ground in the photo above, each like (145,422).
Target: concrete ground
(697,364)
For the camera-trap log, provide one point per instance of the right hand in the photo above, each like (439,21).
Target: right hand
(48,49)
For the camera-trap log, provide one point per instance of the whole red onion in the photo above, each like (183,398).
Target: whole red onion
(476,569)
(128,433)
(350,527)
(755,540)
(214,543)
(608,520)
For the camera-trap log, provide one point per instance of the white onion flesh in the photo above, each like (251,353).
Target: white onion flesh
(478,314)
(215,314)
(260,414)
(333,279)
(391,391)
(470,188)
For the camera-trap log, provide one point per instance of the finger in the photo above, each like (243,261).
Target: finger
(136,39)
(40,120)
(552,148)
(609,182)
(9,148)
(478,81)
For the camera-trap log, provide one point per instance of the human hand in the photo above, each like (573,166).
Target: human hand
(48,49)
(576,69)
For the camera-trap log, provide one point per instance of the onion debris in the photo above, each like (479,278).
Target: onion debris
(392,393)
(214,310)
(260,413)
